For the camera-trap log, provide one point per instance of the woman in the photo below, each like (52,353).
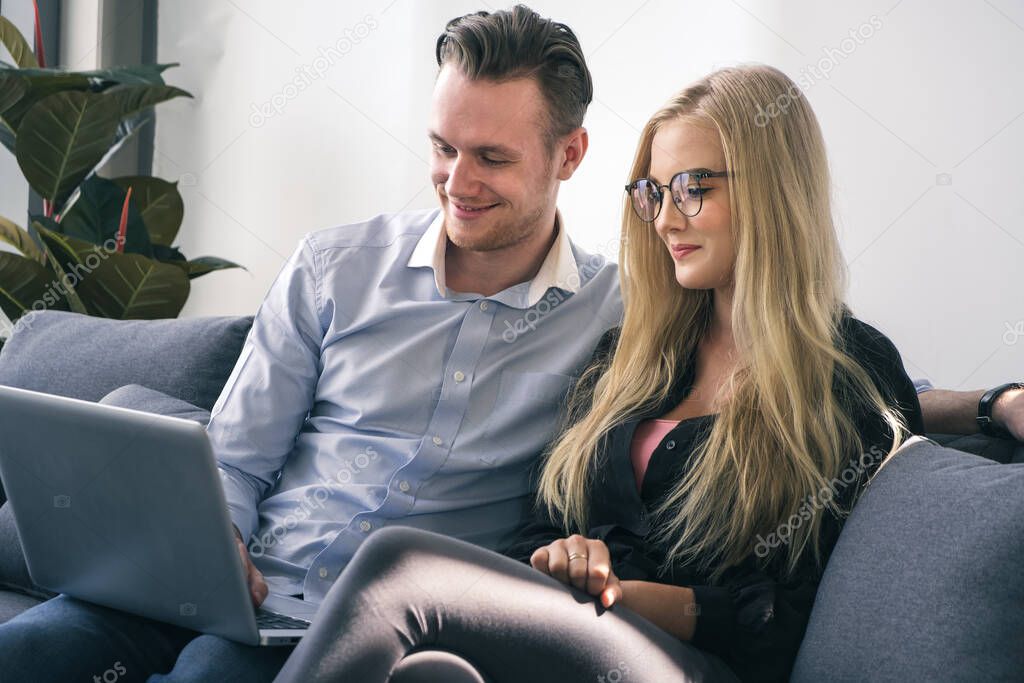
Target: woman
(711,450)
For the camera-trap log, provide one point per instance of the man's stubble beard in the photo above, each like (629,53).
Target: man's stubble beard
(508,233)
(502,235)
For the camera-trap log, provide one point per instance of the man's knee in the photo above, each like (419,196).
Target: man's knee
(29,641)
(212,658)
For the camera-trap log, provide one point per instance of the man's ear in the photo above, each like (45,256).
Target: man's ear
(572,149)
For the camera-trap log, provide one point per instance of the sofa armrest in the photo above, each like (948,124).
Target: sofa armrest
(993,448)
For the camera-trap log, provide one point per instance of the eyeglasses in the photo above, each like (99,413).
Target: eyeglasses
(646,196)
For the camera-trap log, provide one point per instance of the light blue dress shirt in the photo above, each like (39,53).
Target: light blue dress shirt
(367,394)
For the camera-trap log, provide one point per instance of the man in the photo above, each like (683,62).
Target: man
(406,370)
(995,412)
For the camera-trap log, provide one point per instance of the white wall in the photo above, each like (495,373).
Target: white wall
(80,35)
(924,121)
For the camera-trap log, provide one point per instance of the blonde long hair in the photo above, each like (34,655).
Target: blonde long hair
(787,428)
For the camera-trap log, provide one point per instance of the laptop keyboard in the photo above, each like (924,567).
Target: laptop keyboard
(272,620)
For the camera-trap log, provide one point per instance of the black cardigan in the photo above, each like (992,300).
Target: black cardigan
(750,618)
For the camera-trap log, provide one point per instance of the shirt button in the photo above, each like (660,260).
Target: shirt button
(484,305)
(459,376)
(404,485)
(670,445)
(323,572)
(365,526)
(437,441)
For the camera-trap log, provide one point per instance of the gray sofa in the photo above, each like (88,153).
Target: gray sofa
(924,583)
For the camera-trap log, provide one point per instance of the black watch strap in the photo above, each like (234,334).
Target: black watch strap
(985,423)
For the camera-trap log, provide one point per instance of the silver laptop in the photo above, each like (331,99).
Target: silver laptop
(125,509)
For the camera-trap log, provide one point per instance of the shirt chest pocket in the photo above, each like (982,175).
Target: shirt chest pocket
(525,415)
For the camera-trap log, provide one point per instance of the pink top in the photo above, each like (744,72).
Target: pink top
(646,438)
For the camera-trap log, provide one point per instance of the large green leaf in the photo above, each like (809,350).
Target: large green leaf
(145,74)
(97,80)
(12,89)
(132,286)
(207,264)
(170,255)
(40,83)
(71,296)
(125,130)
(44,82)
(36,222)
(7,137)
(26,284)
(136,97)
(159,203)
(62,138)
(120,286)
(16,44)
(95,214)
(19,238)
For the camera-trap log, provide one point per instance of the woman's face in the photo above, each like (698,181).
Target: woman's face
(700,246)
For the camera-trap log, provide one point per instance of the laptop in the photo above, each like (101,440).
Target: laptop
(125,509)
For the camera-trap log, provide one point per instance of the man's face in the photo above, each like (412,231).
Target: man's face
(494,176)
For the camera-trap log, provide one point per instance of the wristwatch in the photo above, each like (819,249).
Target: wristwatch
(985,422)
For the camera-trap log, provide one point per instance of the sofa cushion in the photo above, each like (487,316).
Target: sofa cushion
(86,357)
(13,572)
(13,603)
(924,582)
(138,397)
(991,447)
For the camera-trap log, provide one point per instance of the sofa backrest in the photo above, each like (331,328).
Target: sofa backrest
(84,357)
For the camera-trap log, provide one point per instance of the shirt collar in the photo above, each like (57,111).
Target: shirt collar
(559,268)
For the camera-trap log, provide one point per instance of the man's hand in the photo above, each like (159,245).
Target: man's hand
(253,577)
(1008,412)
(590,568)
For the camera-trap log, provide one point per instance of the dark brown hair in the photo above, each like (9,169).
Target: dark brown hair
(519,43)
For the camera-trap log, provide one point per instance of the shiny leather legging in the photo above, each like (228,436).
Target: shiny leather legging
(408,590)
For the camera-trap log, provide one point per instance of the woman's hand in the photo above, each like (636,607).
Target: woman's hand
(581,562)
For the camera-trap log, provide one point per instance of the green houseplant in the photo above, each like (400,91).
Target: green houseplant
(102,246)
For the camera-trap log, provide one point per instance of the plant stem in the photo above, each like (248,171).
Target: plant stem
(122,227)
(40,53)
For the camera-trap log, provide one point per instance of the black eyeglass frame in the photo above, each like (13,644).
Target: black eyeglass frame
(661,195)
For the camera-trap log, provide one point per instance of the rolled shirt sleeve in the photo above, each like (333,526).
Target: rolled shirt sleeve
(263,405)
